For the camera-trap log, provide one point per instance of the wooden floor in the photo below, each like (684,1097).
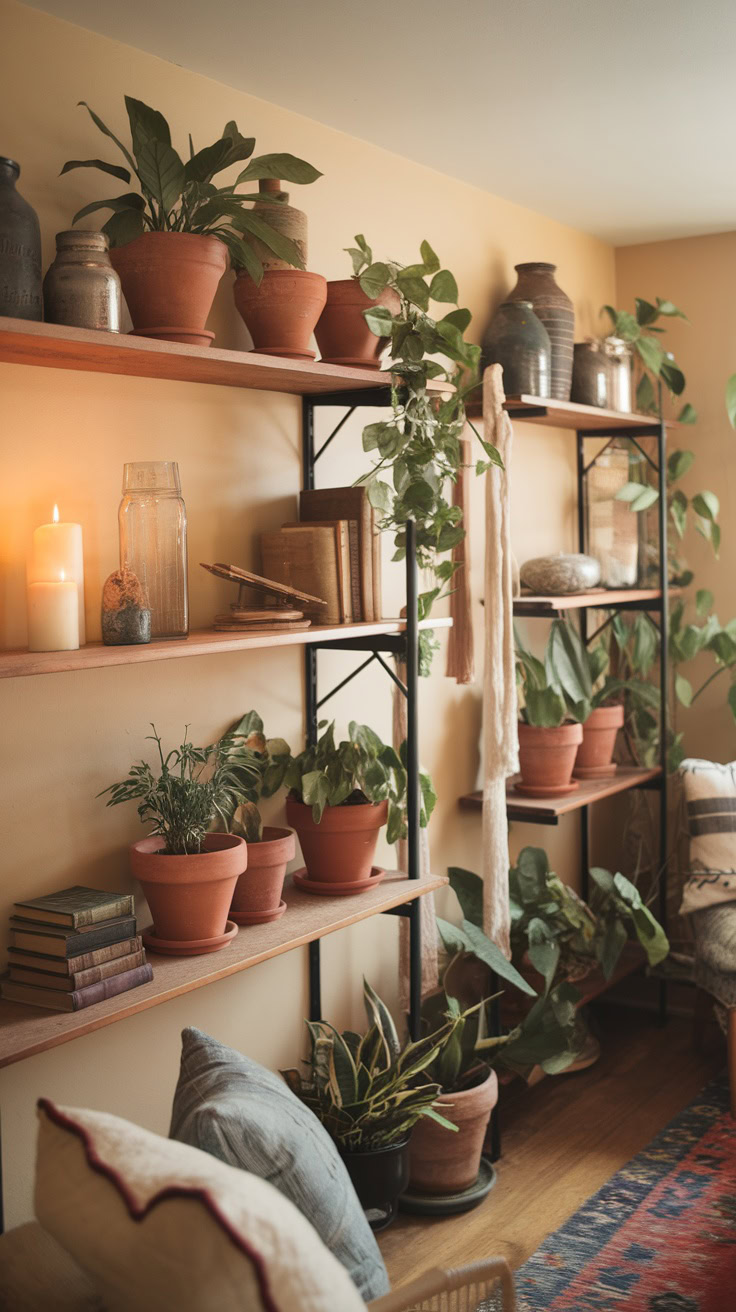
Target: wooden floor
(562,1140)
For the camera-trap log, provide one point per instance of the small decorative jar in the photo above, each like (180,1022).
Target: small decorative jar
(81,288)
(519,342)
(20,249)
(618,354)
(153,542)
(590,374)
(614,529)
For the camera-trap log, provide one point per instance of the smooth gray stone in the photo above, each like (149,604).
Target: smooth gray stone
(560,574)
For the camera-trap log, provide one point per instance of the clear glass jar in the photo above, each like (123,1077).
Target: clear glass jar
(618,353)
(613,528)
(153,542)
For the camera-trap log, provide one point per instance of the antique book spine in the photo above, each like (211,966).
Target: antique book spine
(85,960)
(76,907)
(69,943)
(307,558)
(57,1000)
(78,979)
(349,503)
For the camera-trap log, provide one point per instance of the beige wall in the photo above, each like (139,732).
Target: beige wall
(699,275)
(65,437)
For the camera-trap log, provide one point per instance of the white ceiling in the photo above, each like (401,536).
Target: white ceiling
(616,116)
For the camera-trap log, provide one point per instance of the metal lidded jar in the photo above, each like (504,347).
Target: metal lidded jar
(618,353)
(153,542)
(590,374)
(20,249)
(81,288)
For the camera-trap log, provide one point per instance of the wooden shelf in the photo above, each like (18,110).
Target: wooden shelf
(25,1031)
(568,414)
(547,810)
(600,598)
(56,347)
(204,642)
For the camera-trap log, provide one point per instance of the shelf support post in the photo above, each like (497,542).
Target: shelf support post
(311,700)
(412,770)
(584,817)
(664,676)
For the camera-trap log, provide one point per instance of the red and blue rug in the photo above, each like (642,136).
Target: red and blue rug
(660,1236)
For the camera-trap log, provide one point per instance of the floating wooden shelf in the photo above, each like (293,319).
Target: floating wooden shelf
(568,414)
(55,347)
(20,663)
(600,598)
(547,810)
(25,1030)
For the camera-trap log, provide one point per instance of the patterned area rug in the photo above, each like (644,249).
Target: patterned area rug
(660,1236)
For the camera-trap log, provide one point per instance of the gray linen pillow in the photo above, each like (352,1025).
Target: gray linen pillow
(236,1110)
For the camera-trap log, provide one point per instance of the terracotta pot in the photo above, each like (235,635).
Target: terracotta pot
(189,896)
(441,1162)
(379,1176)
(342,846)
(343,336)
(281,314)
(169,281)
(546,759)
(593,760)
(257,894)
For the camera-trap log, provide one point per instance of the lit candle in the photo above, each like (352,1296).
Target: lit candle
(53,615)
(57,554)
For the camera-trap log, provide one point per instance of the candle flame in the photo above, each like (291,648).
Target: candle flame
(56,514)
(62,575)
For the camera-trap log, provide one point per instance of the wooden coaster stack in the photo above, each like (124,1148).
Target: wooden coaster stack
(277,612)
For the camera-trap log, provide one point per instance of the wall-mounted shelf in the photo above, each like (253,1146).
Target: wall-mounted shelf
(568,414)
(599,598)
(25,1031)
(547,810)
(20,663)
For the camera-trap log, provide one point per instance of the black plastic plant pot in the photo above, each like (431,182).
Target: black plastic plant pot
(379,1176)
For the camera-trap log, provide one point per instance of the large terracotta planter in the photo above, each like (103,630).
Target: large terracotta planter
(593,760)
(281,313)
(343,336)
(257,896)
(169,281)
(340,849)
(189,896)
(379,1176)
(441,1162)
(546,759)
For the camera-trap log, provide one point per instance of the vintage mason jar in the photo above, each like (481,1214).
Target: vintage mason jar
(81,288)
(153,542)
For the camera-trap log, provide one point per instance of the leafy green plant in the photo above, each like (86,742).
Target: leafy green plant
(418,446)
(194,788)
(270,758)
(368,1090)
(542,702)
(358,770)
(642,330)
(568,683)
(180,196)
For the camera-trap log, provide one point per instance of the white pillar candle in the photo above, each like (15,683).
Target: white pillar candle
(53,616)
(57,554)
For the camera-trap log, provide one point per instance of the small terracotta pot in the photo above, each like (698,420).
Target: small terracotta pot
(593,760)
(547,757)
(282,312)
(169,281)
(342,846)
(189,896)
(343,336)
(258,892)
(441,1162)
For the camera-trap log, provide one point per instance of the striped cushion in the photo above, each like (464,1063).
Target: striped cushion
(710,800)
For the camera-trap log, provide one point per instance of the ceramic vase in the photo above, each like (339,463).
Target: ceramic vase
(519,342)
(20,249)
(536,283)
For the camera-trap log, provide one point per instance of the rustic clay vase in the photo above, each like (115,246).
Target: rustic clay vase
(281,313)
(342,846)
(169,281)
(284,219)
(343,336)
(546,759)
(593,760)
(257,896)
(379,1176)
(518,341)
(441,1162)
(536,283)
(189,896)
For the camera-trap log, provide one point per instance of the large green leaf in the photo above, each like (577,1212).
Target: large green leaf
(443,287)
(545,708)
(651,352)
(132,200)
(544,951)
(288,168)
(115,170)
(566,662)
(486,951)
(375,278)
(104,128)
(468,889)
(124,227)
(379,1014)
(161,172)
(281,246)
(146,124)
(679,463)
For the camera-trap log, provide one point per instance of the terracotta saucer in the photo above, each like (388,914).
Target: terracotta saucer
(327,889)
(198,337)
(258,917)
(286,352)
(530,790)
(172,947)
(596,771)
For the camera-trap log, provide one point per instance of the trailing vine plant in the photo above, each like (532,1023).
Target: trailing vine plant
(417,449)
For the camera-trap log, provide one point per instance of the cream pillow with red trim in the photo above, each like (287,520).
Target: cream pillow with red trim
(163,1227)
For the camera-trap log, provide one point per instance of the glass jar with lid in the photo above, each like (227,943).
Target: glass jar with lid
(618,357)
(153,542)
(614,530)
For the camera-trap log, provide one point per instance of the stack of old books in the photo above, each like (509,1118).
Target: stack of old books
(333,552)
(73,948)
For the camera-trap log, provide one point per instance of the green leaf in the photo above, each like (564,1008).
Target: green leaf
(146,125)
(379,320)
(281,246)
(459,319)
(666,307)
(132,200)
(443,287)
(679,463)
(706,504)
(375,279)
(731,400)
(732,700)
(629,492)
(544,951)
(161,172)
(288,168)
(688,414)
(683,690)
(103,128)
(703,601)
(646,313)
(646,642)
(646,400)
(429,259)
(116,170)
(544,708)
(380,496)
(468,889)
(124,227)
(651,352)
(414,289)
(673,377)
(207,162)
(566,662)
(486,951)
(678,511)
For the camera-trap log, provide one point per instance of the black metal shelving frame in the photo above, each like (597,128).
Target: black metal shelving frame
(405,646)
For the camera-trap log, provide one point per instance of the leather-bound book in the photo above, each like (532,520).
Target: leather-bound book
(56,1000)
(352,504)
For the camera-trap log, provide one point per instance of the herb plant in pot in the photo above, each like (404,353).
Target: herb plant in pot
(369,1092)
(579,672)
(341,795)
(188,874)
(170,240)
(548,739)
(343,335)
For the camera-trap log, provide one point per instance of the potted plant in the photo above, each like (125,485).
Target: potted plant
(343,334)
(369,1092)
(188,874)
(170,240)
(257,896)
(548,737)
(340,796)
(579,671)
